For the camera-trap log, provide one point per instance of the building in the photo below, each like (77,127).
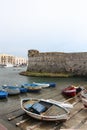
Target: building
(10,59)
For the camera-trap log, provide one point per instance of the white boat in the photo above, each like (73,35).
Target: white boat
(46,110)
(43,85)
(8,65)
(12,90)
(46,84)
(84,97)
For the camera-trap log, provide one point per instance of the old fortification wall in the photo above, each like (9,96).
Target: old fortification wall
(57,62)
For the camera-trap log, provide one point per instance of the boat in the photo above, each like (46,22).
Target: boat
(2,65)
(12,90)
(71,91)
(46,84)
(3,94)
(8,65)
(23,90)
(52,84)
(43,85)
(46,110)
(84,97)
(32,87)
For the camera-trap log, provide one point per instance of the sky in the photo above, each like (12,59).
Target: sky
(44,25)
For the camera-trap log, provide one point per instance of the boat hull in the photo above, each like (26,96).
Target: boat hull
(32,87)
(3,94)
(84,98)
(69,91)
(43,85)
(84,101)
(11,90)
(48,115)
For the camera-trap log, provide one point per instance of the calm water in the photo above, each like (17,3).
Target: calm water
(10,76)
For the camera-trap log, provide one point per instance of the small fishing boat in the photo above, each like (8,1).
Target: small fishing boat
(84,97)
(46,110)
(32,87)
(3,94)
(43,85)
(23,90)
(8,65)
(12,90)
(46,84)
(52,84)
(71,91)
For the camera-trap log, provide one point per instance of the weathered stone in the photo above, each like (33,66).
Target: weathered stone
(57,62)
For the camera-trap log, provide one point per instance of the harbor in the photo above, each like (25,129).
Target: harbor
(13,117)
(43,42)
(16,118)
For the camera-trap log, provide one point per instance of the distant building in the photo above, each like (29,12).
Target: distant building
(20,61)
(10,59)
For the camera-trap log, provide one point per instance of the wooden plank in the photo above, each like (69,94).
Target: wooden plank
(13,117)
(80,124)
(22,121)
(28,123)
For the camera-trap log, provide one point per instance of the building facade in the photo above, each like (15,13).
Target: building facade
(10,59)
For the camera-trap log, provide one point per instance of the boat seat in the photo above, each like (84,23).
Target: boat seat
(38,108)
(27,106)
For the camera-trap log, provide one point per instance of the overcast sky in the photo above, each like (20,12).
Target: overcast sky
(45,25)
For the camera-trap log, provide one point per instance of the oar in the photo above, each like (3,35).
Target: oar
(22,121)
(13,117)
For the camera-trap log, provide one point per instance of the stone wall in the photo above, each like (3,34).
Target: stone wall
(57,62)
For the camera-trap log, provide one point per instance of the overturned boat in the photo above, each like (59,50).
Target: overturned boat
(72,91)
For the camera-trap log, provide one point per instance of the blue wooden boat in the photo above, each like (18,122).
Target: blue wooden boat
(52,84)
(17,88)
(3,94)
(23,90)
(32,87)
(12,90)
(43,85)
(46,84)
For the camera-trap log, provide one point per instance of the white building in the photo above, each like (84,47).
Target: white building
(10,59)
